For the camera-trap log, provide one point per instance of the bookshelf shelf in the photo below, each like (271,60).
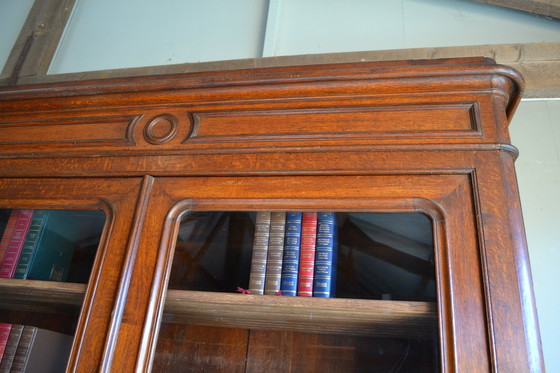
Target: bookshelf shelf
(315,315)
(43,296)
(334,316)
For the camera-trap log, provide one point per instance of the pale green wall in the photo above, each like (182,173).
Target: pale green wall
(126,33)
(108,34)
(323,26)
(152,32)
(535,130)
(12,17)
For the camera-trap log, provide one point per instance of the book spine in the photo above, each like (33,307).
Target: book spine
(15,245)
(260,252)
(4,217)
(23,349)
(325,256)
(8,231)
(290,261)
(4,336)
(307,254)
(275,253)
(31,242)
(11,348)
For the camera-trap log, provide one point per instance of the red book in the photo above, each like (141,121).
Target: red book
(307,254)
(8,231)
(15,244)
(4,335)
(11,348)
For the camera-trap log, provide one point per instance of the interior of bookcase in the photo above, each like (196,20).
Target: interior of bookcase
(383,316)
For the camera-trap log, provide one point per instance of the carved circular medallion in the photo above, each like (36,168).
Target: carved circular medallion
(161,129)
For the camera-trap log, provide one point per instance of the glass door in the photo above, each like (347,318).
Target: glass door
(63,243)
(247,293)
(407,292)
(39,246)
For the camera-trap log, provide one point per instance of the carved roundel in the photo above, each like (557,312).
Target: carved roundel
(161,129)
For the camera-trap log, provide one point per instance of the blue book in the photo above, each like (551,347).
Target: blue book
(290,262)
(325,256)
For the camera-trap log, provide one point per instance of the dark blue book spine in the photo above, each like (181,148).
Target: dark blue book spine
(290,262)
(325,256)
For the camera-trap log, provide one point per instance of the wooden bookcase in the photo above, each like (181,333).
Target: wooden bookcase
(407,137)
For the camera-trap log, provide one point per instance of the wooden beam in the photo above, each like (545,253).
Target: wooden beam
(538,62)
(37,42)
(310,315)
(546,8)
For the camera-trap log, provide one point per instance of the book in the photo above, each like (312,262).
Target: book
(307,254)
(41,351)
(324,282)
(260,252)
(15,243)
(290,260)
(4,335)
(275,253)
(7,233)
(49,246)
(11,348)
(4,218)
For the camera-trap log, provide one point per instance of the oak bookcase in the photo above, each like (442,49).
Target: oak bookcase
(406,138)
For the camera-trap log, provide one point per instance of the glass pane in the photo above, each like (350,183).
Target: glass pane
(381,315)
(46,260)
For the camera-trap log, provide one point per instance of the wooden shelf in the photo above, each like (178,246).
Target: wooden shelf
(317,315)
(40,296)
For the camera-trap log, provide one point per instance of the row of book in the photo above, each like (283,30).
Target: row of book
(294,254)
(28,349)
(37,244)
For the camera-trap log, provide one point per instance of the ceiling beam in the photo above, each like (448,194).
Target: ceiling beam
(546,8)
(539,63)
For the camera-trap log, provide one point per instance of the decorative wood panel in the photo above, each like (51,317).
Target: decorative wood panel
(337,123)
(71,132)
